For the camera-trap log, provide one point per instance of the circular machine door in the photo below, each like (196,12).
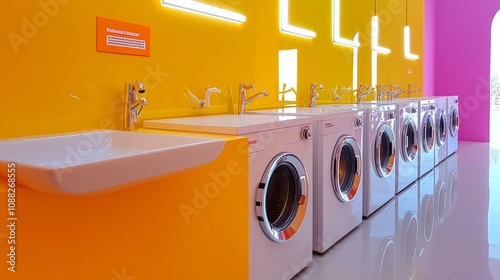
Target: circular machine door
(409,140)
(441,130)
(346,168)
(428,132)
(282,196)
(454,121)
(385,151)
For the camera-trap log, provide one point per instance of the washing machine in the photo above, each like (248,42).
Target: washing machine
(407,229)
(380,145)
(338,191)
(441,118)
(379,154)
(280,158)
(407,131)
(426,211)
(427,134)
(453,125)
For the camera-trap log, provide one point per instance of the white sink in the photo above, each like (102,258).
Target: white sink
(101,161)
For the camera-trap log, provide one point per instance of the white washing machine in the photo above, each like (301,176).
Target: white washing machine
(407,131)
(453,125)
(407,228)
(380,145)
(379,154)
(280,152)
(338,192)
(427,134)
(426,211)
(441,118)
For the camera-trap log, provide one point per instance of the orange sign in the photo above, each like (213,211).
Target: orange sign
(115,36)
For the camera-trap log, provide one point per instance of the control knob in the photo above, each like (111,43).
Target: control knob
(305,134)
(358,122)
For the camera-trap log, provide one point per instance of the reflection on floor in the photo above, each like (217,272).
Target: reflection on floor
(444,226)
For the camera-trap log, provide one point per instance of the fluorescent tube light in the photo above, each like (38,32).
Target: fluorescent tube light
(204,9)
(375,46)
(336,28)
(287,28)
(408,54)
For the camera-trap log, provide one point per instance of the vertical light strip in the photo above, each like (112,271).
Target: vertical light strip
(408,54)
(376,49)
(375,46)
(355,64)
(204,9)
(287,28)
(336,27)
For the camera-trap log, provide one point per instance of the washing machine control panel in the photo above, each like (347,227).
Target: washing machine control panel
(305,133)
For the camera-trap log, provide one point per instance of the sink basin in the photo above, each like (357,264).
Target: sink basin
(102,161)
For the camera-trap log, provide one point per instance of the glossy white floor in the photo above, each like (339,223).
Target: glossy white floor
(445,227)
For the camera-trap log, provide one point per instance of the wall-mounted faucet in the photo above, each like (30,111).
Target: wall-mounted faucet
(381,91)
(343,90)
(133,105)
(410,90)
(243,92)
(314,93)
(197,103)
(395,91)
(362,93)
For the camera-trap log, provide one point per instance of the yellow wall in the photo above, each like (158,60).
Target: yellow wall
(56,81)
(139,232)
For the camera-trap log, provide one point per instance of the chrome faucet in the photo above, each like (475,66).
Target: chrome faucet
(133,104)
(362,93)
(395,91)
(243,92)
(314,93)
(381,91)
(343,90)
(410,90)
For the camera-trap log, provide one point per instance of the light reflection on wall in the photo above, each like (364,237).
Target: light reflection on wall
(287,80)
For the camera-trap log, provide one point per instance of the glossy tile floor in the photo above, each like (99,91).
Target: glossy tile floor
(446,226)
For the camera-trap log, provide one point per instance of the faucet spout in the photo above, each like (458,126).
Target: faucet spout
(411,91)
(208,91)
(362,93)
(133,105)
(257,95)
(245,100)
(314,93)
(395,91)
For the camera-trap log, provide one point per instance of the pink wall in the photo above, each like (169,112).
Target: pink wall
(462,60)
(429,47)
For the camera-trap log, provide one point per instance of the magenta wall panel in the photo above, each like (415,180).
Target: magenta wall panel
(462,60)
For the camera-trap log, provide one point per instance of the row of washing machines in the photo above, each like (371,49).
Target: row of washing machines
(315,173)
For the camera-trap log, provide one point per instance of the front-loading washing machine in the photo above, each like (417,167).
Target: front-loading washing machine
(453,125)
(407,131)
(441,118)
(379,154)
(280,158)
(427,134)
(338,191)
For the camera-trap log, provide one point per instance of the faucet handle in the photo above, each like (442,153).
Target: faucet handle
(247,87)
